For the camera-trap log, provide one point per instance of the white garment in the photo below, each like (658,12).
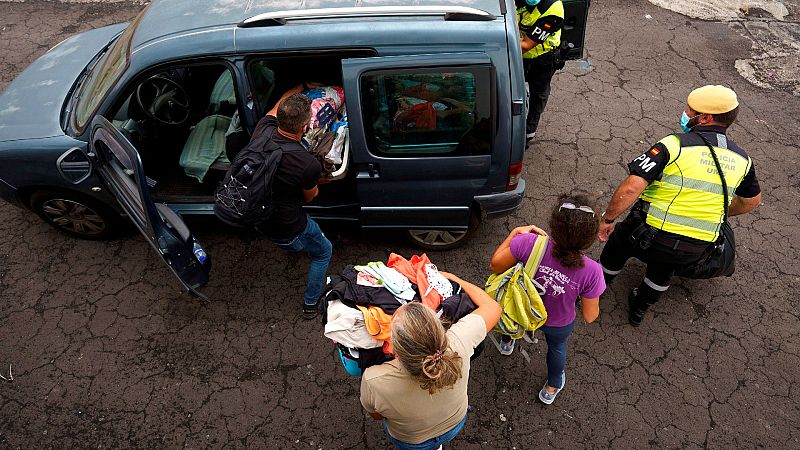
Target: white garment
(339,142)
(437,281)
(365,279)
(346,326)
(392,280)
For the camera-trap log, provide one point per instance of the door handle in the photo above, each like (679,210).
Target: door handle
(369,170)
(516,107)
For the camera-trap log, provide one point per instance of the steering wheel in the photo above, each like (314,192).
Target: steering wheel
(163,100)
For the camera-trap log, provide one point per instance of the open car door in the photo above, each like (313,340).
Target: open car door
(120,167)
(576,13)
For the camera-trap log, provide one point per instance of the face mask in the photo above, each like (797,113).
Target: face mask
(685,122)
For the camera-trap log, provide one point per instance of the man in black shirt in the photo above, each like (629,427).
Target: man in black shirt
(295,184)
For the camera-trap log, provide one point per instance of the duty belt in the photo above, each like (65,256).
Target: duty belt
(671,240)
(681,245)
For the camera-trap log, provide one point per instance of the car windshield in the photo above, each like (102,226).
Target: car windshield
(103,75)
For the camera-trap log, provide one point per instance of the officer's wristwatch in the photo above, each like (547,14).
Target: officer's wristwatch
(605,220)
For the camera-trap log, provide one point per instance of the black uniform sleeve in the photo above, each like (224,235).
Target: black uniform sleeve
(311,174)
(749,187)
(542,28)
(650,164)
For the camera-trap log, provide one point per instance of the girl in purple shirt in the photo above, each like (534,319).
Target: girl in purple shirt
(564,276)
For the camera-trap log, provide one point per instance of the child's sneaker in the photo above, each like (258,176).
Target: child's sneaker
(547,397)
(506,348)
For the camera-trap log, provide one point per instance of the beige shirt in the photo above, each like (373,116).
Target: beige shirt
(412,414)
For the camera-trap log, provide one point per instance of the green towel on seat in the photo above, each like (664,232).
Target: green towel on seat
(205,144)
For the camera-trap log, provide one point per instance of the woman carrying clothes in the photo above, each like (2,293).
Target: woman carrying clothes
(564,276)
(421,395)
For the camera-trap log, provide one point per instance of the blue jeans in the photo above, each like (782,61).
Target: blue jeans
(556,352)
(319,248)
(430,444)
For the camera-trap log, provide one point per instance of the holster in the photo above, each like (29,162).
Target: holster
(641,236)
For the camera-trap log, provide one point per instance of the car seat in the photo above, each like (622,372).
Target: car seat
(222,94)
(205,147)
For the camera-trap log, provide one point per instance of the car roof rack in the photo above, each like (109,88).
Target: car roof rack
(451,13)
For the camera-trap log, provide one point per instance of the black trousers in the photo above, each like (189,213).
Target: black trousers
(538,73)
(662,257)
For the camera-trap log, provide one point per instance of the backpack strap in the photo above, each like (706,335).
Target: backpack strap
(537,253)
(724,184)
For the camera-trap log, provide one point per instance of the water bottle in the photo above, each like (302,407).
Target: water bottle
(199,253)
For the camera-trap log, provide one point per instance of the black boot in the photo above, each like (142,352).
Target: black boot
(639,300)
(635,309)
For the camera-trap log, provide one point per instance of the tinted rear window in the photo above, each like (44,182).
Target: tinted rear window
(436,112)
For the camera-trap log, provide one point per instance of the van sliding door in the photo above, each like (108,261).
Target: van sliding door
(421,130)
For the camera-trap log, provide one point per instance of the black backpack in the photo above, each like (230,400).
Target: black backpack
(244,198)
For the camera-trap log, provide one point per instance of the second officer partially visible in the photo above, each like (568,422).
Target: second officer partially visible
(540,23)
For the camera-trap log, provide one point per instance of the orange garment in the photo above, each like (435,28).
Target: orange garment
(377,322)
(421,116)
(379,325)
(414,270)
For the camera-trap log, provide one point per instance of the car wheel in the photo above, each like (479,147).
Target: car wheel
(443,239)
(76,215)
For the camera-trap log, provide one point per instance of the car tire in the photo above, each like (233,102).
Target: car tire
(76,215)
(443,239)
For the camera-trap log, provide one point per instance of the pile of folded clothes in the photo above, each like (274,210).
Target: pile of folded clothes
(328,131)
(360,301)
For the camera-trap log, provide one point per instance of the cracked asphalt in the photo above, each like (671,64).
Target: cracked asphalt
(106,352)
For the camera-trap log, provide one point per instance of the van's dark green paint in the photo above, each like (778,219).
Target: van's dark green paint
(46,156)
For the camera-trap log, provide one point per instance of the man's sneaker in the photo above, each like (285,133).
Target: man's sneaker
(310,311)
(635,314)
(548,398)
(506,348)
(529,138)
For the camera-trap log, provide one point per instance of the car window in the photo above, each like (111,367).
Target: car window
(419,112)
(104,74)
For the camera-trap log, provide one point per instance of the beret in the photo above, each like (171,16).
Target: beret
(713,99)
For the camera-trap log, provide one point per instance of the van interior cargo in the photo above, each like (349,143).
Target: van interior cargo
(184,120)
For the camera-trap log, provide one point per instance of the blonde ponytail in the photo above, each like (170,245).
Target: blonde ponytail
(420,342)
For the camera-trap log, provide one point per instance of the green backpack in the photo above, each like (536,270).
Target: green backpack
(523,309)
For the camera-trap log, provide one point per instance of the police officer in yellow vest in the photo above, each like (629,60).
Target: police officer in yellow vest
(677,198)
(540,23)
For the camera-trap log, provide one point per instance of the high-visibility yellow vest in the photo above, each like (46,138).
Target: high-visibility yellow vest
(687,199)
(528,19)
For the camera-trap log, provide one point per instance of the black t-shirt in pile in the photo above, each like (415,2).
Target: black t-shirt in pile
(298,171)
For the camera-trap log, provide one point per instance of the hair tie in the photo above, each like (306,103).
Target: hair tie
(438,356)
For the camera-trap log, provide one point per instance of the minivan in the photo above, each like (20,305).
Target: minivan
(103,125)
